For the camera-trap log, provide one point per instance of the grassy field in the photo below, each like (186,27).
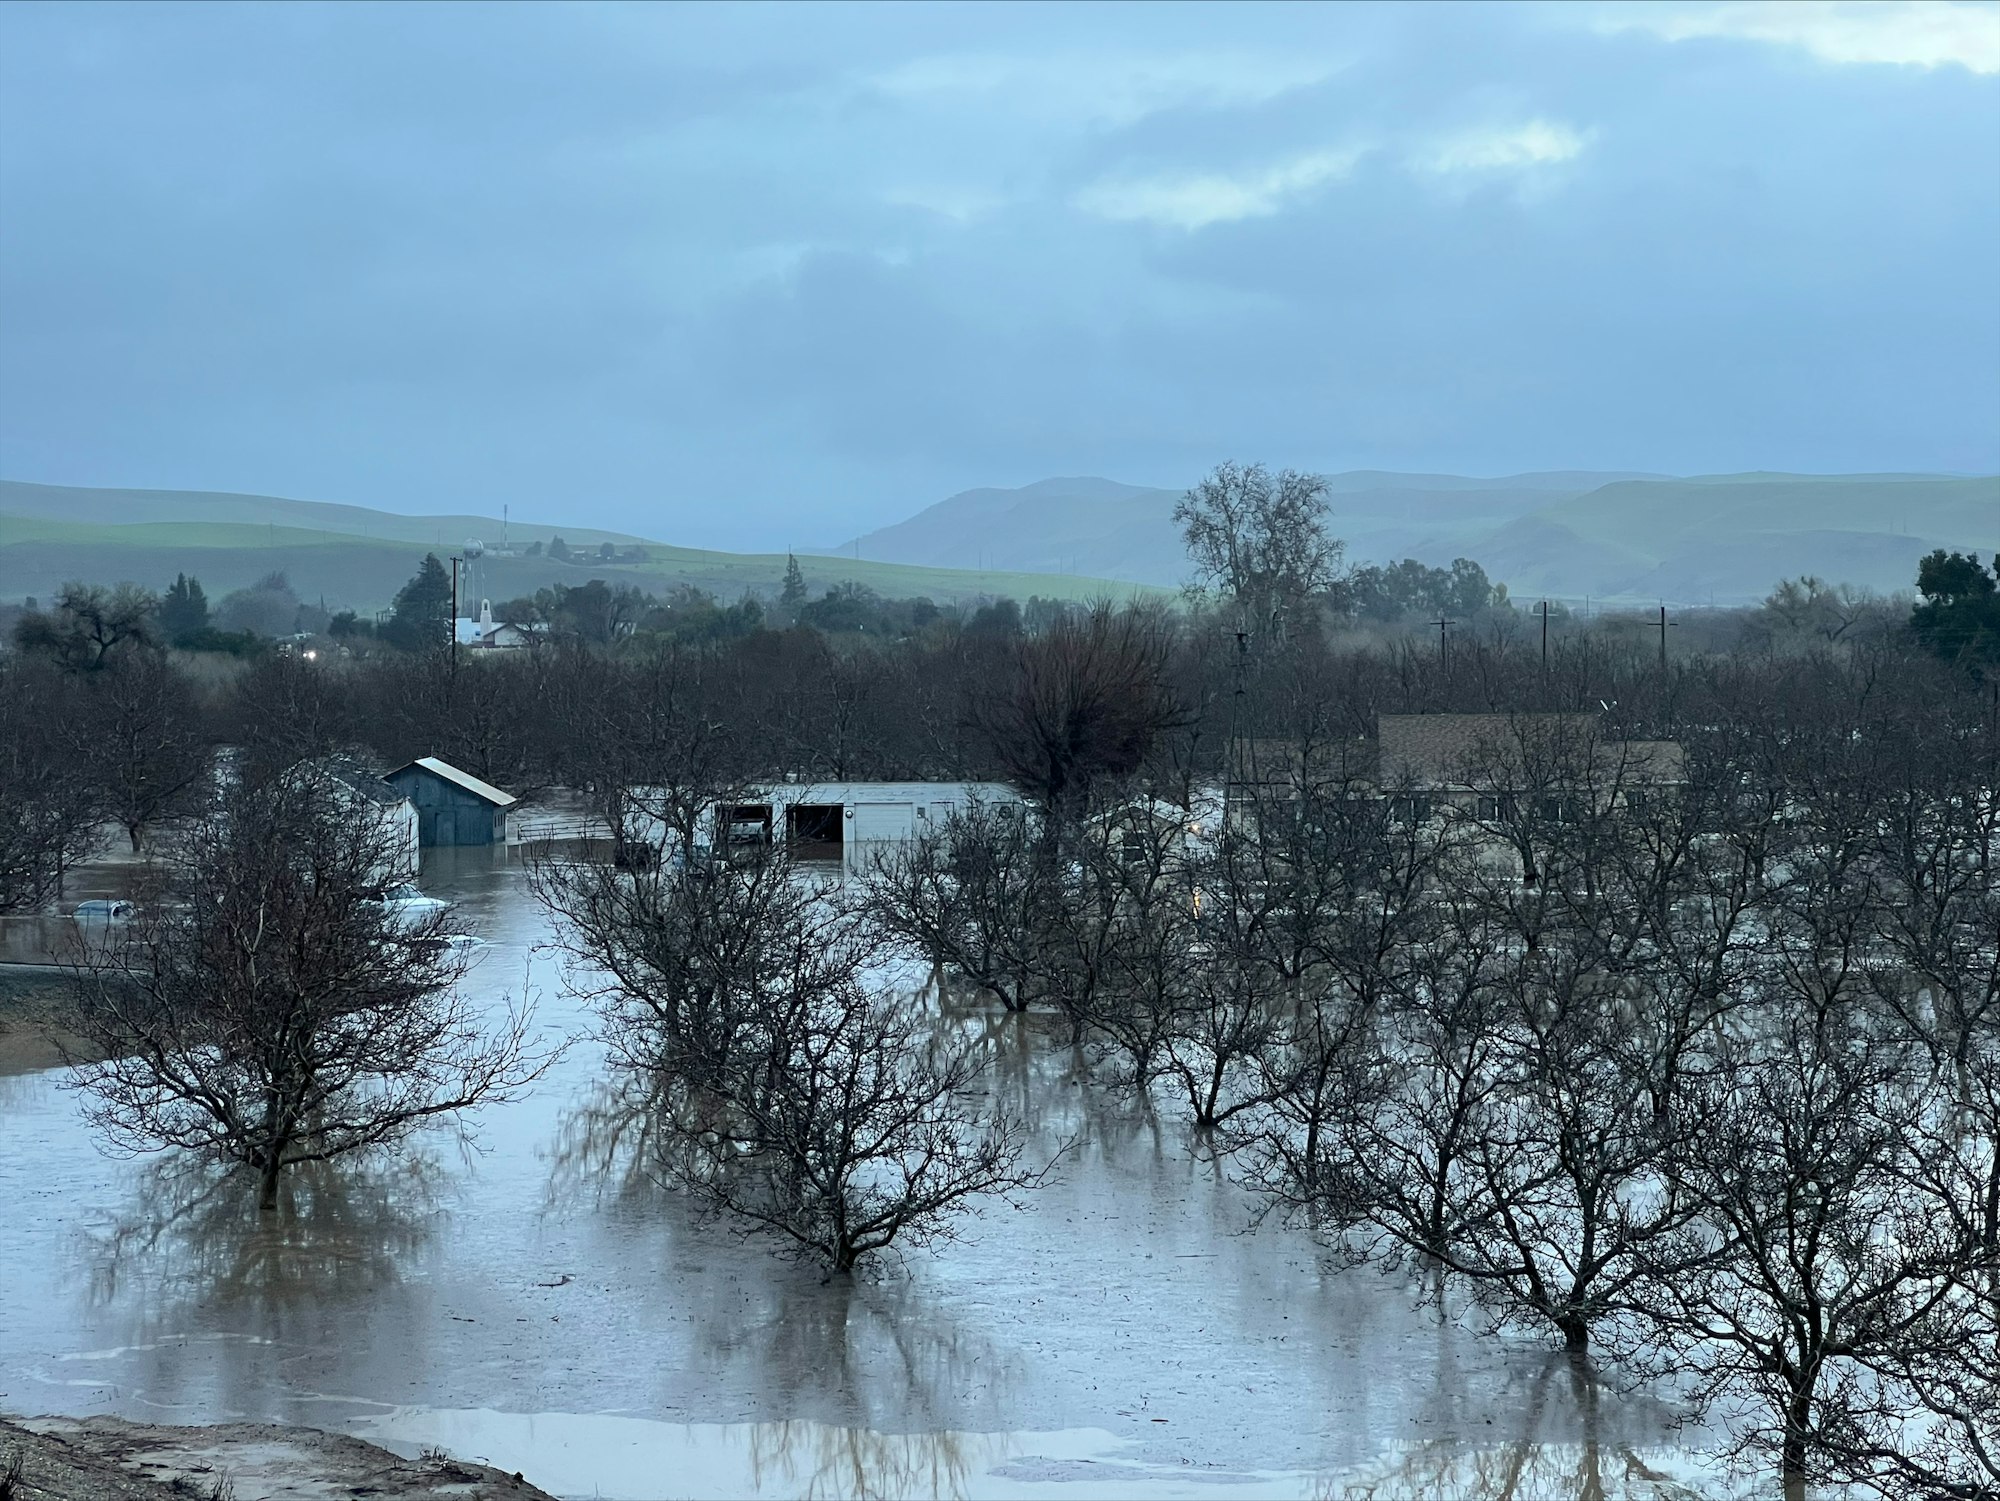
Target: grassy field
(361,572)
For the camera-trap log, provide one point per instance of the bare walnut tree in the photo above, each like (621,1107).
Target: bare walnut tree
(780,1090)
(264,1010)
(965,899)
(1260,539)
(1082,705)
(48,807)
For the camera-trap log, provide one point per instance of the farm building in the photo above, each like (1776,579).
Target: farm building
(453,807)
(845,821)
(487,634)
(372,797)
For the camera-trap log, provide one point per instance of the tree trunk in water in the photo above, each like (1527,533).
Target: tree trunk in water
(267,1188)
(1575,1332)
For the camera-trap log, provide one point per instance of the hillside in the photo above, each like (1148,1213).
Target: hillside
(112,507)
(1100,526)
(1569,535)
(355,558)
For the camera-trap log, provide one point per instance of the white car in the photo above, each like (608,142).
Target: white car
(103,912)
(407,904)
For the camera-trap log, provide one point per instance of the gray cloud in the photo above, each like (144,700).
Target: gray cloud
(736,276)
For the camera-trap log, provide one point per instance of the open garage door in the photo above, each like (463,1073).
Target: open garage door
(814,831)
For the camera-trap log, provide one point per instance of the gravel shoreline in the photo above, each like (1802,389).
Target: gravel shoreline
(109,1459)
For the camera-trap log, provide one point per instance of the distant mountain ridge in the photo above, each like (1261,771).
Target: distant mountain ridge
(1615,537)
(1571,534)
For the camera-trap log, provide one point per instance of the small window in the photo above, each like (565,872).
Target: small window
(1489,809)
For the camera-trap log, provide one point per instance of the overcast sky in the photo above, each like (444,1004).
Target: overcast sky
(770,276)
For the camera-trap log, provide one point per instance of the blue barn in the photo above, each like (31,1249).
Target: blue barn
(453,807)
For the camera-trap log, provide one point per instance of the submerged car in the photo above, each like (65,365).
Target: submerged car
(406,904)
(448,943)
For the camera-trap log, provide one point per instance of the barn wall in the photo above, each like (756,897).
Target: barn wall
(448,815)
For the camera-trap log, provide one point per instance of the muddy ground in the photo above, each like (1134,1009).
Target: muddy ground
(108,1459)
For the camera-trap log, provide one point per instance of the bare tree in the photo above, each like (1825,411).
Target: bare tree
(1831,1255)
(89,626)
(48,807)
(265,1011)
(969,898)
(782,1092)
(140,732)
(1083,703)
(1337,893)
(1260,539)
(285,709)
(1120,943)
(1571,1204)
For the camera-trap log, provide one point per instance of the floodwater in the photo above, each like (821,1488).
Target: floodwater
(1127,1333)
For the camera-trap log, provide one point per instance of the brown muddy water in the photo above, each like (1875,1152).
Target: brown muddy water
(1128,1333)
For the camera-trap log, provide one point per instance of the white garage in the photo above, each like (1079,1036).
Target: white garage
(844,821)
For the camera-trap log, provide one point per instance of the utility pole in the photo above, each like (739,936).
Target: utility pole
(454,614)
(1663,639)
(1238,756)
(1444,622)
(1544,613)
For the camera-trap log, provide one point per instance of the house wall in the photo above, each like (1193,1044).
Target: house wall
(399,822)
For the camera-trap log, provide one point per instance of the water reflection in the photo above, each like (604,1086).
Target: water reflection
(629,1459)
(604,1146)
(881,1348)
(1119,1333)
(1542,1460)
(813,1460)
(1523,1473)
(192,1232)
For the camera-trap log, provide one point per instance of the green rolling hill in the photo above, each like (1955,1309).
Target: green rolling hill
(357,559)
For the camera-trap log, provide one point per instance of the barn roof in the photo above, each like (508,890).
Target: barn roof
(457,778)
(1440,750)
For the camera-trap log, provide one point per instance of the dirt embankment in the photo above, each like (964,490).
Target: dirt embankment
(108,1459)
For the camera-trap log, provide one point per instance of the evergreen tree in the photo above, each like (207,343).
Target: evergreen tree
(559,550)
(183,609)
(1960,616)
(422,617)
(794,592)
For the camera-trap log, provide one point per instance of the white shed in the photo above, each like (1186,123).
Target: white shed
(846,821)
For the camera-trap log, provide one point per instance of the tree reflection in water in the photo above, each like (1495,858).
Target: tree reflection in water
(193,1233)
(1530,1467)
(874,1351)
(815,1460)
